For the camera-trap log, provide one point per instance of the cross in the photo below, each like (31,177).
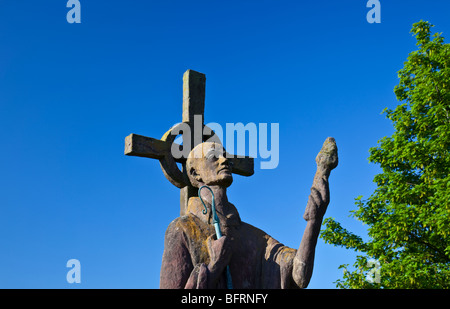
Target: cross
(193,107)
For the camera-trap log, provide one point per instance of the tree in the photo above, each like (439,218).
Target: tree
(408,214)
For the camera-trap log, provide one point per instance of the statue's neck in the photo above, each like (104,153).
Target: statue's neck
(227,213)
(220,197)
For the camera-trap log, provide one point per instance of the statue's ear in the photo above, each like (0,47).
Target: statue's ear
(193,174)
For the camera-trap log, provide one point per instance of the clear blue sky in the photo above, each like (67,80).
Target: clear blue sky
(70,93)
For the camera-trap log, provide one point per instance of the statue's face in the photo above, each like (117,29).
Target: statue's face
(210,166)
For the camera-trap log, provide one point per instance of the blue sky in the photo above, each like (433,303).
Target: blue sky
(70,93)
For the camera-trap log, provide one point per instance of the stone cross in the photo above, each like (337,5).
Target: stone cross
(193,108)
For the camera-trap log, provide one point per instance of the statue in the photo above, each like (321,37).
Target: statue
(193,256)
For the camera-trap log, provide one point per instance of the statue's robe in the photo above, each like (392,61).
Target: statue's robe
(258,261)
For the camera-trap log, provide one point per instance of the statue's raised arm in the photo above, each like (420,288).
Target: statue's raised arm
(318,201)
(194,258)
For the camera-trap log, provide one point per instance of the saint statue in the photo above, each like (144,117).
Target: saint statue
(194,258)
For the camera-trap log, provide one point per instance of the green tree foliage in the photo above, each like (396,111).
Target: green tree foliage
(408,214)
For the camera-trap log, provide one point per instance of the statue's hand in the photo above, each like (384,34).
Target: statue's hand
(327,158)
(318,201)
(220,252)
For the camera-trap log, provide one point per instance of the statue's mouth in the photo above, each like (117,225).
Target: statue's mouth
(225,169)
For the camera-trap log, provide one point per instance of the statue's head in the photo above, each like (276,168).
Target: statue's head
(207,165)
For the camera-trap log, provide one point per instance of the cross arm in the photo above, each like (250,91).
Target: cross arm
(243,166)
(142,146)
(148,147)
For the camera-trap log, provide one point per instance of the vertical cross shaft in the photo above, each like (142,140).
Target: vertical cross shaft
(193,104)
(193,95)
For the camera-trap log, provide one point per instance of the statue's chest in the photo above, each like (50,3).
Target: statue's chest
(245,264)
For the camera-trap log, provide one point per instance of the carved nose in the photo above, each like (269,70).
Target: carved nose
(224,161)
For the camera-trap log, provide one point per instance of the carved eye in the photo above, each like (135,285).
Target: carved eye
(212,155)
